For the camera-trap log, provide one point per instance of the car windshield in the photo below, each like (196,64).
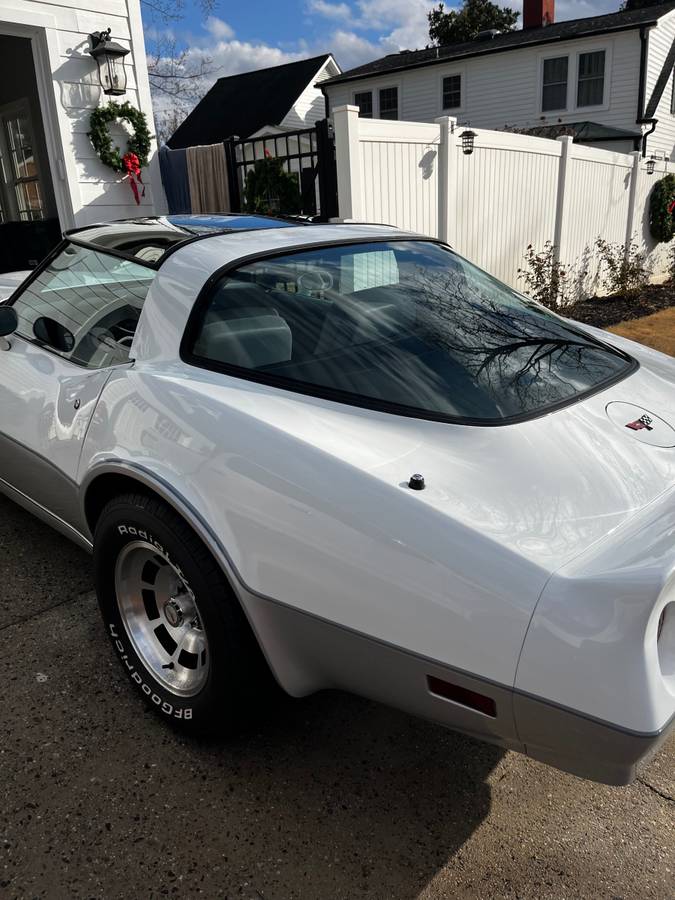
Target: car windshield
(407,326)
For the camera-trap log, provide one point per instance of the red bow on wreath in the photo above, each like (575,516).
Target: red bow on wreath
(671,207)
(132,167)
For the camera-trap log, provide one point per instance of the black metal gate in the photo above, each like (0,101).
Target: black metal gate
(308,153)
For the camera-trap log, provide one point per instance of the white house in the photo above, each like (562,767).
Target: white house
(265,101)
(50,176)
(606,80)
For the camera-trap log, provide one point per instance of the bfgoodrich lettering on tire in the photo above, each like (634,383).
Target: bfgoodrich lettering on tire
(174,622)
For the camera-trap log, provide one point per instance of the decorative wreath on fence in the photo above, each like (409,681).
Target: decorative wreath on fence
(138,145)
(661,208)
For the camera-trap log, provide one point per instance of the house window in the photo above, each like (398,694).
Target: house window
(364,101)
(554,90)
(452,92)
(389,103)
(18,165)
(591,84)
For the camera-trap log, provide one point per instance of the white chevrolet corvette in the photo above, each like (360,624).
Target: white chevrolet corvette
(343,455)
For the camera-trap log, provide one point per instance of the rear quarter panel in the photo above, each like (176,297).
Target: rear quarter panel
(299,496)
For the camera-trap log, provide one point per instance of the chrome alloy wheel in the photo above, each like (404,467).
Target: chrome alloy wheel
(160,616)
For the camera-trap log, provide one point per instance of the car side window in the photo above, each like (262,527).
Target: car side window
(85,306)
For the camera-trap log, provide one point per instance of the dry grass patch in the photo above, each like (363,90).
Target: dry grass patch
(657,330)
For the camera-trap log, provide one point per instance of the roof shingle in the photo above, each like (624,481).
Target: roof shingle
(241,104)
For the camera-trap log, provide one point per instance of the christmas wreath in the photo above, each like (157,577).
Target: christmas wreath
(138,145)
(661,207)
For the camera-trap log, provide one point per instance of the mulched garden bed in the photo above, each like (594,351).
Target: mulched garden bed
(605,311)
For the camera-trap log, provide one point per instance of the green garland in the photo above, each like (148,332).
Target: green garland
(138,143)
(661,222)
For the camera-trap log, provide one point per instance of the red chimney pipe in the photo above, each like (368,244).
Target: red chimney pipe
(538,12)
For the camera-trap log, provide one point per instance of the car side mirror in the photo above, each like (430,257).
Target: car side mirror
(8,324)
(8,320)
(53,334)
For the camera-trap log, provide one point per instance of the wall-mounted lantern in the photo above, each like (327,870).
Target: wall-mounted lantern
(468,138)
(109,58)
(650,165)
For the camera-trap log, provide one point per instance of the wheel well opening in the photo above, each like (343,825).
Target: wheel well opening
(105,488)
(113,484)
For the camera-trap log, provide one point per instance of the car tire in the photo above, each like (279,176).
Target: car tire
(173,619)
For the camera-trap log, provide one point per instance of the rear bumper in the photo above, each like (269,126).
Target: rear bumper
(583,746)
(308,654)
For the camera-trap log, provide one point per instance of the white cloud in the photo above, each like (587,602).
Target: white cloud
(350,49)
(232,56)
(407,20)
(570,9)
(354,36)
(355,33)
(339,11)
(580,9)
(219,29)
(405,24)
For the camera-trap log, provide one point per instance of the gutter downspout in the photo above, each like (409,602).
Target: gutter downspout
(642,87)
(647,133)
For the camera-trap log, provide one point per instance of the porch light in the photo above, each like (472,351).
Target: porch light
(650,165)
(468,138)
(109,58)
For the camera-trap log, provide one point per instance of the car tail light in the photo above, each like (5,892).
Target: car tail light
(465,697)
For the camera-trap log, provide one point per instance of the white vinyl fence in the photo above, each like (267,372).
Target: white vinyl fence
(512,191)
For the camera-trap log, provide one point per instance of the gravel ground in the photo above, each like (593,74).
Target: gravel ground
(332,797)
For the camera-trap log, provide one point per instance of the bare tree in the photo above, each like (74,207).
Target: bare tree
(514,352)
(167,120)
(177,80)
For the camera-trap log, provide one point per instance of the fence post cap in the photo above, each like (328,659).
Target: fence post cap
(565,139)
(346,107)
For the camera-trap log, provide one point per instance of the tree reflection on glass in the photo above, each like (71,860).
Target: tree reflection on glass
(410,324)
(521,355)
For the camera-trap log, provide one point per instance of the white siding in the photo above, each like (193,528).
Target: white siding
(504,88)
(310,106)
(662,141)
(90,191)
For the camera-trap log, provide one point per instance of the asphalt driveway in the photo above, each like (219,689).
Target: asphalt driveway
(332,797)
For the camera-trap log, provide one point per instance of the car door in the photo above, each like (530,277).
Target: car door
(76,318)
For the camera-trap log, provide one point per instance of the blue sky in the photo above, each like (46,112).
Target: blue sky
(239,36)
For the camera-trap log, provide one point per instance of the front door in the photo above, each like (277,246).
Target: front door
(77,319)
(29,226)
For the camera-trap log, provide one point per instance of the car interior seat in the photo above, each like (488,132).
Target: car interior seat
(243,328)
(368,315)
